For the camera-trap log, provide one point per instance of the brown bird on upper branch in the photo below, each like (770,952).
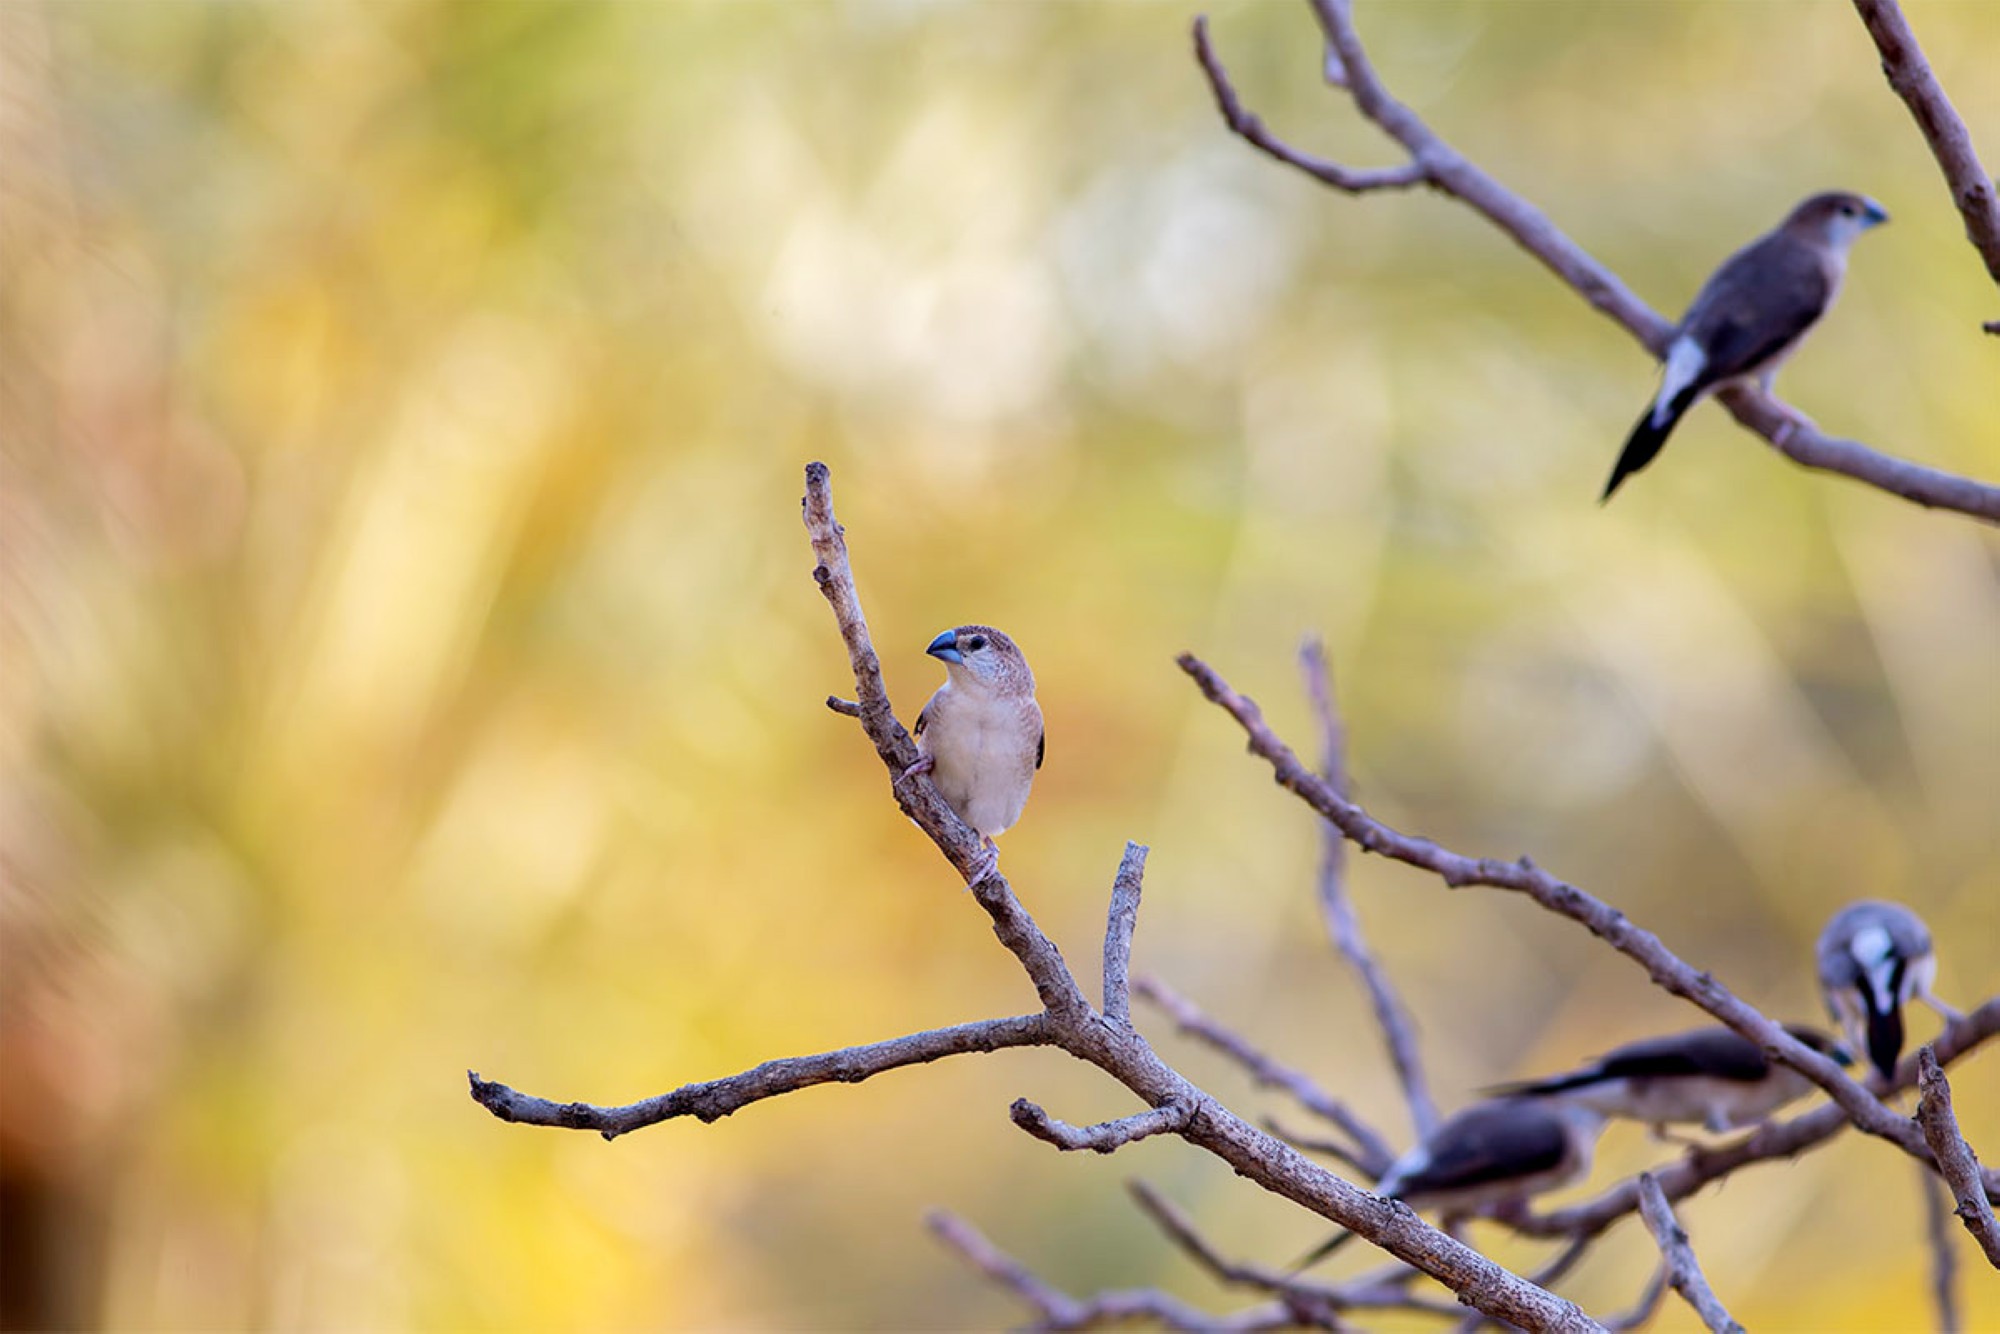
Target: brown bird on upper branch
(1752,314)
(980,737)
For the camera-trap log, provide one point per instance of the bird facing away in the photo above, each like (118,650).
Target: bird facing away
(1751,314)
(980,737)
(1874,956)
(1494,1152)
(1711,1077)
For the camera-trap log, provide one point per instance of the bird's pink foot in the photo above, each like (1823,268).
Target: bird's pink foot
(987,866)
(924,764)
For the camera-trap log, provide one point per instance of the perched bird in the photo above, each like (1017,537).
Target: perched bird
(1751,314)
(980,737)
(1713,1077)
(1873,957)
(1493,1152)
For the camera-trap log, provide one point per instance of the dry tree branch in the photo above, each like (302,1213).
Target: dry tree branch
(1944,1260)
(1337,905)
(1910,75)
(1683,1271)
(1646,1307)
(1120,922)
(1956,1161)
(1666,969)
(1371,1152)
(1445,169)
(1060,1311)
(1105,1135)
(717,1098)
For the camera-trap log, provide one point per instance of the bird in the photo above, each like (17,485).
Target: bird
(1713,1077)
(1751,314)
(980,737)
(1873,957)
(1494,1152)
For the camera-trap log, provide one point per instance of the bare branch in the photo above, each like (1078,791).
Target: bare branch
(1944,1260)
(1910,75)
(1118,927)
(1956,1161)
(1683,1271)
(1374,1154)
(1337,906)
(1444,168)
(845,707)
(1246,125)
(1666,969)
(1104,1136)
(717,1098)
(1060,1311)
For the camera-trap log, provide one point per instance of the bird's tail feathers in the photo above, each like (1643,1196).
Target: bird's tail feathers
(1536,1088)
(1885,1037)
(1644,443)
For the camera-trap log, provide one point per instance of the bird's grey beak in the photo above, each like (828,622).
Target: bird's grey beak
(1876,214)
(945,646)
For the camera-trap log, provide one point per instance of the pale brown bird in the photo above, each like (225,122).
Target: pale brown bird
(1751,314)
(980,737)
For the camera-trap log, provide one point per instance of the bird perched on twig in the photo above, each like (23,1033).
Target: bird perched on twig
(1751,314)
(1496,1152)
(1873,957)
(980,737)
(1712,1077)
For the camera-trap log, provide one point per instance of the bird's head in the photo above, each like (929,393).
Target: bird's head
(1836,218)
(981,655)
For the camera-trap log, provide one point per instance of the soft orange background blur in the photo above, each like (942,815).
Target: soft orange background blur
(410,659)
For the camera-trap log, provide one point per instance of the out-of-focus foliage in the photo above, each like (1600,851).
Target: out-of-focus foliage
(410,660)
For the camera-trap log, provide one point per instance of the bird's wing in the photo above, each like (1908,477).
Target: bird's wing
(1757,305)
(1715,1052)
(1497,1147)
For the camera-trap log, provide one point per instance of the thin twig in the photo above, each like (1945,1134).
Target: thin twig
(1060,1311)
(717,1098)
(1301,1293)
(1646,1307)
(1372,1151)
(1246,124)
(1666,969)
(1944,1259)
(1683,1270)
(1909,74)
(1337,905)
(1438,164)
(1119,923)
(1104,1136)
(1956,1161)
(1313,1144)
(845,707)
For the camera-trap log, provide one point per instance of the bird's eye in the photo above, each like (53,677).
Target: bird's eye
(1847,210)
(976,643)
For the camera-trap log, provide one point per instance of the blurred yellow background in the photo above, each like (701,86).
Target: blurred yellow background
(410,659)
